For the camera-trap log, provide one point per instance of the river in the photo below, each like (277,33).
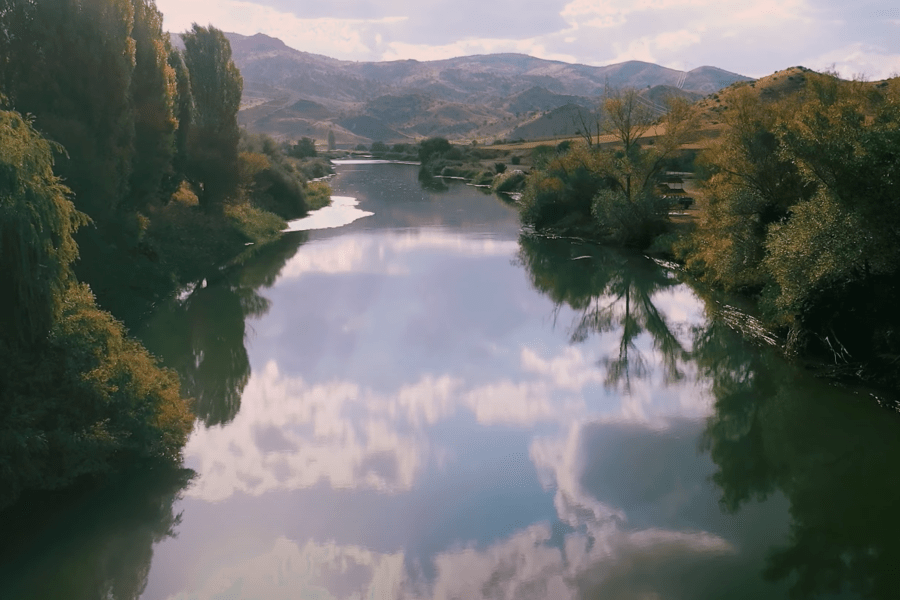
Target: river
(414,400)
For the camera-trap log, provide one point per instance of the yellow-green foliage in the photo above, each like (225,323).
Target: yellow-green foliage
(804,203)
(318,195)
(37,221)
(84,403)
(77,397)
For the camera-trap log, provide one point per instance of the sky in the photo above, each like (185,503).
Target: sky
(756,38)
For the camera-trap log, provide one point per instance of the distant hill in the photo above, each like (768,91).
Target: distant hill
(288,92)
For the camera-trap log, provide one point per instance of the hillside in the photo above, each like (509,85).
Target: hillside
(289,93)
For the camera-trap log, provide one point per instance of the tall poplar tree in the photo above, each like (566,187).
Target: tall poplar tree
(70,64)
(216,85)
(153,91)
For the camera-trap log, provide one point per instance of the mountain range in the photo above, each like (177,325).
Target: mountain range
(290,94)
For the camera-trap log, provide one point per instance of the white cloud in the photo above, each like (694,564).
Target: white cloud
(289,571)
(386,253)
(329,36)
(859,59)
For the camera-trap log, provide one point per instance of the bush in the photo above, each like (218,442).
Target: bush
(630,223)
(304,148)
(89,402)
(499,167)
(512,181)
(318,195)
(483,178)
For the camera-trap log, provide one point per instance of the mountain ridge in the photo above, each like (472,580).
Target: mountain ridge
(290,93)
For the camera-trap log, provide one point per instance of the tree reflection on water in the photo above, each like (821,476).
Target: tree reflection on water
(777,429)
(774,427)
(611,292)
(202,334)
(98,542)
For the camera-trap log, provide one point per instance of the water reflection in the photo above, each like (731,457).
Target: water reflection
(611,292)
(430,409)
(774,432)
(98,543)
(202,333)
(777,430)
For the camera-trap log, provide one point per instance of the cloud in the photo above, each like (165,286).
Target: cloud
(859,60)
(386,253)
(289,571)
(339,37)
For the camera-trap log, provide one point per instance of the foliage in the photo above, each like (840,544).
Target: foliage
(508,181)
(433,147)
(610,190)
(184,112)
(37,221)
(331,142)
(216,87)
(76,396)
(269,179)
(304,148)
(803,205)
(70,63)
(564,188)
(318,195)
(635,222)
(85,403)
(153,92)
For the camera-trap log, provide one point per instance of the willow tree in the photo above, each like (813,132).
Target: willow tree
(76,395)
(216,86)
(37,221)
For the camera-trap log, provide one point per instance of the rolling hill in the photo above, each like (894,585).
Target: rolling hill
(289,93)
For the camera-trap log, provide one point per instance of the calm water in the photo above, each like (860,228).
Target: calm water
(423,404)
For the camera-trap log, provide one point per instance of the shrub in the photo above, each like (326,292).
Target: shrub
(512,181)
(627,222)
(87,403)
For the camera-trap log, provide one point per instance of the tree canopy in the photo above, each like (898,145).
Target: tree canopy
(216,86)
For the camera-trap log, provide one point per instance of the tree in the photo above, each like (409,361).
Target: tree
(330,140)
(184,113)
(216,86)
(70,64)
(304,148)
(153,91)
(37,221)
(76,395)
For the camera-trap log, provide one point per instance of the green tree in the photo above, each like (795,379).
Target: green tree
(153,92)
(304,148)
(77,397)
(216,86)
(37,221)
(331,143)
(184,113)
(70,64)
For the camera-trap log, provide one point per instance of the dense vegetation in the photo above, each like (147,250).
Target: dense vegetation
(608,190)
(131,175)
(803,197)
(76,396)
(802,206)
